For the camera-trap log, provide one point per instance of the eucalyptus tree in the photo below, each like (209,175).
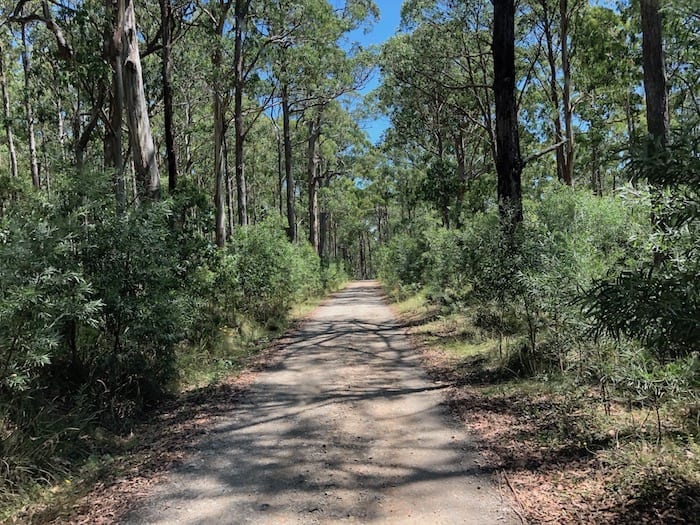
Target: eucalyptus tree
(342,152)
(6,113)
(439,70)
(607,76)
(509,163)
(682,57)
(655,85)
(553,21)
(127,87)
(310,70)
(29,110)
(215,20)
(332,74)
(167,20)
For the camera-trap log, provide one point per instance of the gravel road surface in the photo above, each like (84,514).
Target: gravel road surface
(344,427)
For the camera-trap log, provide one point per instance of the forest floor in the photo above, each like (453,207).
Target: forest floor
(337,422)
(560,457)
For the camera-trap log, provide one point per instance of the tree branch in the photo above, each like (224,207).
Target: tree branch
(539,154)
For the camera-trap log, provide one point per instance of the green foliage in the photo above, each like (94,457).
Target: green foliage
(94,303)
(402,260)
(270,273)
(530,284)
(657,300)
(41,294)
(443,188)
(133,263)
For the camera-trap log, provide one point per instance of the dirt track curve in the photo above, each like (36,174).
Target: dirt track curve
(344,428)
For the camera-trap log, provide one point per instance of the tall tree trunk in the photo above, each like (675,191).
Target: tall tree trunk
(554,90)
(323,225)
(280,165)
(291,212)
(29,110)
(166,17)
(654,71)
(363,258)
(563,134)
(564,20)
(656,93)
(113,152)
(60,121)
(230,209)
(312,179)
(462,177)
(240,13)
(188,137)
(46,183)
(219,130)
(141,139)
(7,116)
(508,160)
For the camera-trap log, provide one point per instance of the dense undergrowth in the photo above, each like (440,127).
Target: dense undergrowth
(104,315)
(531,333)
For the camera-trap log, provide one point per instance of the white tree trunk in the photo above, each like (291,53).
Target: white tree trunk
(141,138)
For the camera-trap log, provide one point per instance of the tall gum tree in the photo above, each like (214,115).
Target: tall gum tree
(140,137)
(437,89)
(509,163)
(7,115)
(216,17)
(29,110)
(654,71)
(555,18)
(308,68)
(167,21)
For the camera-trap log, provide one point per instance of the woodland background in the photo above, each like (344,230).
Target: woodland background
(175,176)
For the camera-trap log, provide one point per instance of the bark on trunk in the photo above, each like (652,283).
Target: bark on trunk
(568,174)
(241,8)
(29,110)
(323,235)
(113,156)
(141,139)
(656,93)
(654,71)
(280,166)
(7,117)
(219,130)
(554,90)
(289,173)
(230,207)
(563,134)
(166,18)
(188,138)
(312,179)
(508,159)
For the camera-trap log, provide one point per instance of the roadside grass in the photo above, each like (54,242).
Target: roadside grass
(116,467)
(559,451)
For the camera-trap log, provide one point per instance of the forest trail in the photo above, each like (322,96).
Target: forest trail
(343,427)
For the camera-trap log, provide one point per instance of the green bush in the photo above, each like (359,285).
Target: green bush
(402,261)
(305,272)
(270,273)
(133,264)
(656,299)
(530,284)
(333,276)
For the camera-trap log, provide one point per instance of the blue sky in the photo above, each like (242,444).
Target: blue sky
(383,29)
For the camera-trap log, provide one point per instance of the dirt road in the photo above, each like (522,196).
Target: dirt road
(344,428)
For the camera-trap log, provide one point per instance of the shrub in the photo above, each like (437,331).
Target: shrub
(401,260)
(270,273)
